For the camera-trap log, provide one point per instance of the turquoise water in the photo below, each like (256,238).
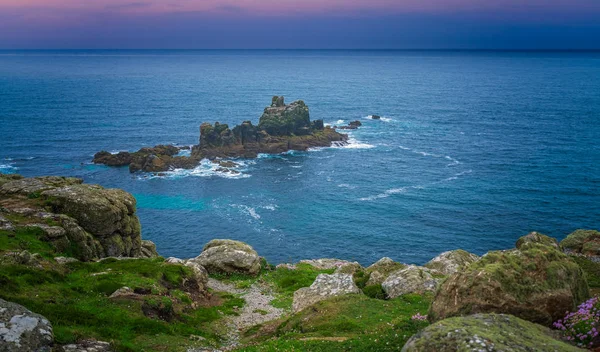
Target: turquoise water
(475,148)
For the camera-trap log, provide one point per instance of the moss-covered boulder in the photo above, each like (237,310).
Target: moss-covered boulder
(411,279)
(583,242)
(228,257)
(486,332)
(381,269)
(452,261)
(536,282)
(536,237)
(325,286)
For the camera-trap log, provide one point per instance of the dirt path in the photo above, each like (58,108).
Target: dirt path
(257,309)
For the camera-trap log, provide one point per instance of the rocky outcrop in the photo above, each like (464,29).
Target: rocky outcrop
(326,263)
(535,282)
(452,261)
(22,330)
(583,242)
(325,286)
(353,125)
(486,332)
(412,279)
(281,128)
(88,221)
(228,257)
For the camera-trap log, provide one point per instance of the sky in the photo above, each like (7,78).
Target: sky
(300,24)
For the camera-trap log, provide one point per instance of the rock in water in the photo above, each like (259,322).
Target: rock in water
(535,282)
(486,332)
(375,117)
(228,257)
(412,279)
(452,261)
(22,330)
(285,120)
(583,242)
(324,287)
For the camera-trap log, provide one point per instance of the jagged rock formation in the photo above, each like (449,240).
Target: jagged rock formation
(535,282)
(583,242)
(87,221)
(486,332)
(281,128)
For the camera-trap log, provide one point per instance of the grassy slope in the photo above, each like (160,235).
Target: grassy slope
(75,298)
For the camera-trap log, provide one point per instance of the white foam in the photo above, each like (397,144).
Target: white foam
(206,168)
(382,118)
(352,143)
(271,207)
(247,210)
(345,185)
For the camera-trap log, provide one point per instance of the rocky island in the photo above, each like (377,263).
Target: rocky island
(281,128)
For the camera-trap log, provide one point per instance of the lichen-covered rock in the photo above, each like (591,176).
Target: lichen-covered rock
(349,268)
(65,260)
(22,330)
(536,282)
(148,249)
(86,221)
(107,214)
(381,269)
(5,224)
(87,346)
(228,256)
(412,279)
(325,286)
(200,275)
(452,261)
(486,332)
(583,242)
(325,263)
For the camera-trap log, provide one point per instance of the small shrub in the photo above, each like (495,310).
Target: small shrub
(374,291)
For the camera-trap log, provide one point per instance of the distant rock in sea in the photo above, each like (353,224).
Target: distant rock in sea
(281,128)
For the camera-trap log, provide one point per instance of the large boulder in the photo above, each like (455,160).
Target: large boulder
(22,330)
(536,282)
(412,279)
(381,269)
(486,332)
(583,242)
(452,261)
(325,286)
(228,257)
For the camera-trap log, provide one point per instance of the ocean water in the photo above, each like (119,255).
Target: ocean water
(474,150)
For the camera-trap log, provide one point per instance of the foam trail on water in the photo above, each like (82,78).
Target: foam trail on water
(207,168)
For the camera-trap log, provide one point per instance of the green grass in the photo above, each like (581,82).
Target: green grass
(347,323)
(26,238)
(77,303)
(592,272)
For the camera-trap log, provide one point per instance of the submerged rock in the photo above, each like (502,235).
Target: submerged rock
(535,282)
(486,332)
(452,261)
(412,279)
(325,286)
(228,256)
(22,330)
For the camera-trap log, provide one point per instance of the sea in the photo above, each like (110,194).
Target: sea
(473,149)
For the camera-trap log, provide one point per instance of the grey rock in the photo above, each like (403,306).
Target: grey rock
(325,263)
(22,330)
(412,279)
(228,256)
(325,286)
(452,261)
(88,346)
(122,292)
(65,260)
